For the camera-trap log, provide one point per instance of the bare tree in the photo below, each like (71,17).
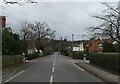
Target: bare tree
(20,2)
(110,23)
(38,33)
(26,36)
(41,32)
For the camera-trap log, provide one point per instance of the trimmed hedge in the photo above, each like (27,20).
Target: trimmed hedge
(77,54)
(109,61)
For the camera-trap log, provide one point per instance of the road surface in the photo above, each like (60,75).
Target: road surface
(54,68)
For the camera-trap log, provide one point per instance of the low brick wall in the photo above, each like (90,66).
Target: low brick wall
(11,59)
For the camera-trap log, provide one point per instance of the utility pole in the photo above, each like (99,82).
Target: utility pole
(72,44)
(72,41)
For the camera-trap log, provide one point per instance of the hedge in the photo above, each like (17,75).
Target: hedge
(109,61)
(77,54)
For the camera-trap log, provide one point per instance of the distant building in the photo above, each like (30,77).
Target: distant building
(80,45)
(83,44)
(76,46)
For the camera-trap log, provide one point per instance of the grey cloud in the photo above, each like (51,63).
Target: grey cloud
(64,17)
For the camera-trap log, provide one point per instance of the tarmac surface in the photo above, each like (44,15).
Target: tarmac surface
(57,69)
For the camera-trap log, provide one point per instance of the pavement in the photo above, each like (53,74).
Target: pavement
(96,71)
(102,74)
(57,69)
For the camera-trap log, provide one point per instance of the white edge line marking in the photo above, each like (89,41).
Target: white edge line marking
(14,76)
(53,69)
(79,67)
(51,79)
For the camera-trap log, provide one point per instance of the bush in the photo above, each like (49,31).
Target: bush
(33,55)
(66,53)
(47,51)
(77,54)
(106,60)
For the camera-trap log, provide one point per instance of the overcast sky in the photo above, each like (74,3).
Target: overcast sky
(66,18)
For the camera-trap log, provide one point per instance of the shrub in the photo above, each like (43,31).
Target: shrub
(47,51)
(106,60)
(32,56)
(66,53)
(77,54)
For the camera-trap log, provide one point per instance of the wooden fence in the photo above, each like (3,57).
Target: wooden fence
(11,59)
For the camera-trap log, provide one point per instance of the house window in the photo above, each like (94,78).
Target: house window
(100,46)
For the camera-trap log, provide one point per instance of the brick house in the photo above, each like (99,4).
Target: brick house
(92,45)
(95,45)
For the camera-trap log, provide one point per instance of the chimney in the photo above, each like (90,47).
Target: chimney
(2,21)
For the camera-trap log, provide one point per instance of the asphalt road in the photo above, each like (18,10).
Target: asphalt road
(55,68)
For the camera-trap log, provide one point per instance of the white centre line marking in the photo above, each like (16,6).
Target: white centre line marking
(14,76)
(53,69)
(54,63)
(79,67)
(51,79)
(54,59)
